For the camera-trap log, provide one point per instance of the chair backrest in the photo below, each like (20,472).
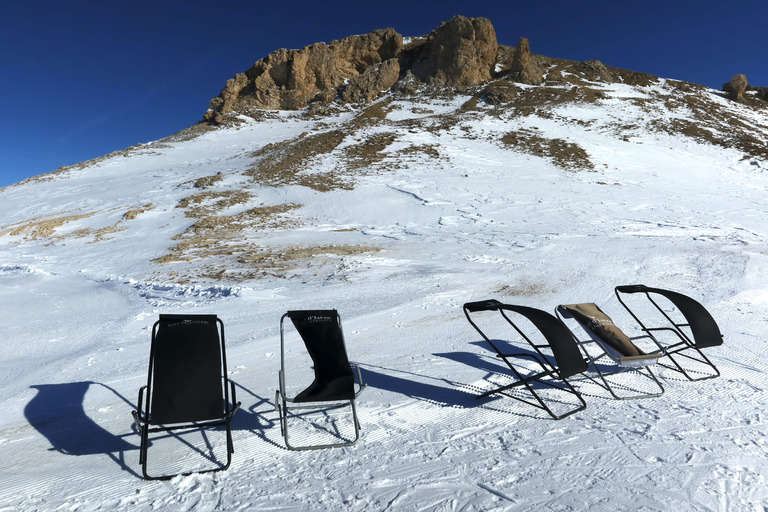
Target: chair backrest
(705,331)
(559,338)
(601,328)
(186,372)
(323,337)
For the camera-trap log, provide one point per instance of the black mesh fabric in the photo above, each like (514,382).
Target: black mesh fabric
(322,335)
(187,370)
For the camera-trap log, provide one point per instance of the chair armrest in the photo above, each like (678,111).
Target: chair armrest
(360,382)
(137,414)
(235,403)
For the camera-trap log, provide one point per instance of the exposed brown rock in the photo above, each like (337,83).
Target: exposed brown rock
(368,85)
(289,79)
(555,75)
(523,70)
(760,92)
(736,87)
(596,71)
(459,52)
(499,92)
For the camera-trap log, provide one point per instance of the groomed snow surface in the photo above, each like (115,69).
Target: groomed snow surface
(484,222)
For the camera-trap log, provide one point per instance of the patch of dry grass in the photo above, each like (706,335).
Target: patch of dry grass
(208,203)
(222,235)
(522,288)
(285,163)
(45,227)
(132,214)
(279,262)
(564,154)
(711,122)
(41,227)
(368,152)
(226,246)
(208,181)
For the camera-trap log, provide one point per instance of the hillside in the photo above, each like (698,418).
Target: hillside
(395,210)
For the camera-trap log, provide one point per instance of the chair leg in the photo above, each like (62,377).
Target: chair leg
(285,411)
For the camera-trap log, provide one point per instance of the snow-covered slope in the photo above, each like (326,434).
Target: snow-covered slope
(396,214)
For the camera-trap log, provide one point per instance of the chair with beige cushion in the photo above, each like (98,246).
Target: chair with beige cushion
(611,353)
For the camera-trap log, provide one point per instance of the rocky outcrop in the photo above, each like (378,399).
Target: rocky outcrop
(290,79)
(460,52)
(499,92)
(760,92)
(367,86)
(736,87)
(595,71)
(523,70)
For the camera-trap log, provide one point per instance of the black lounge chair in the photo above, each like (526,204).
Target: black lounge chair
(334,384)
(607,342)
(187,385)
(559,341)
(697,329)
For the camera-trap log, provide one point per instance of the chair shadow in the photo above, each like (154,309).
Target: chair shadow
(254,419)
(486,362)
(57,412)
(385,378)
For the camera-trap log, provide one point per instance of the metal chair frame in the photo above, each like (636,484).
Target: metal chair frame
(601,352)
(547,369)
(143,416)
(286,405)
(685,343)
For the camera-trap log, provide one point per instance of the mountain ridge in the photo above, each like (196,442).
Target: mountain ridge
(263,173)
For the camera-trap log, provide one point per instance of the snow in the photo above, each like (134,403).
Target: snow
(481,222)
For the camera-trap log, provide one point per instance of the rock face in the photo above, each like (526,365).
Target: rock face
(459,52)
(289,79)
(499,92)
(736,87)
(523,70)
(596,71)
(369,84)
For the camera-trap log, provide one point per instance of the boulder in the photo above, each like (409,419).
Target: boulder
(365,87)
(500,92)
(736,87)
(460,52)
(595,71)
(523,70)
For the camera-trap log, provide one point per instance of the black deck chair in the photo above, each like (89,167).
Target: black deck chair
(559,340)
(607,342)
(699,330)
(187,385)
(334,384)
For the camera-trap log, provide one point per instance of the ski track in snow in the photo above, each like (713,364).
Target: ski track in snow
(491,224)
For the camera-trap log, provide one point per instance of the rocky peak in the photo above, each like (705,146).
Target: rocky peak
(459,52)
(523,70)
(290,79)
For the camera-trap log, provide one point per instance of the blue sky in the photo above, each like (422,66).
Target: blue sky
(82,78)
